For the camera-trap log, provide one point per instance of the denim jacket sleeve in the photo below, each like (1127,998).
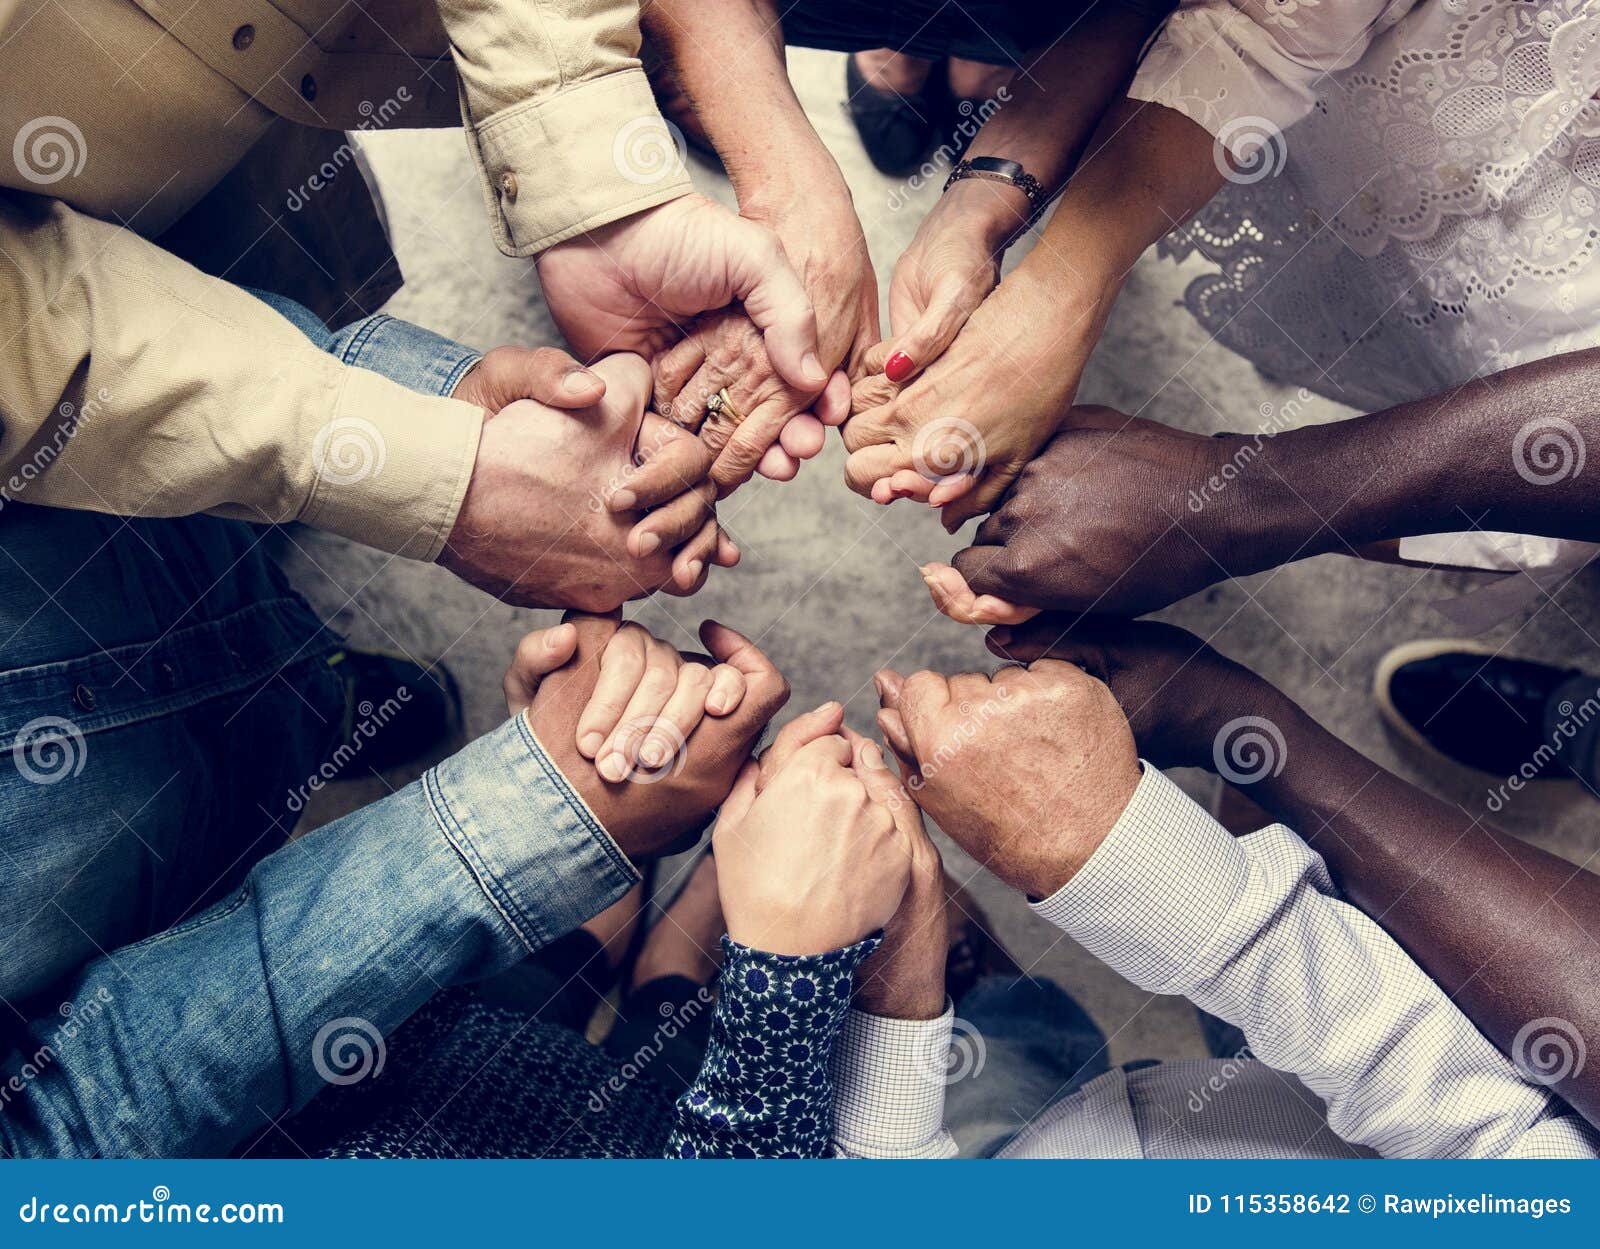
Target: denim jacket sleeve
(184,1043)
(764,1089)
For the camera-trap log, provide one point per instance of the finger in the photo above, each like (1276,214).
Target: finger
(821,722)
(876,356)
(955,598)
(676,523)
(1058,635)
(538,654)
(923,696)
(776,464)
(739,800)
(882,786)
(893,728)
(672,465)
(727,690)
(985,495)
(926,338)
(621,666)
(986,570)
(747,442)
(689,564)
(870,465)
(728,553)
(803,436)
(776,303)
(889,684)
(620,752)
(672,370)
(907,483)
(871,426)
(833,405)
(949,489)
(668,737)
(766,690)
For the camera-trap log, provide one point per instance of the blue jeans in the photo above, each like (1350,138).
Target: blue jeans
(178,975)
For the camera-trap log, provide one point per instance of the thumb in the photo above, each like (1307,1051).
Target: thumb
(776,303)
(537,655)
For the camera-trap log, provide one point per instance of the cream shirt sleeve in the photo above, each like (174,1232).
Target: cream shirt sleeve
(132,383)
(1246,69)
(559,116)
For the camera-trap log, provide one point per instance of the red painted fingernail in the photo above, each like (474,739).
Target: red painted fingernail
(899,366)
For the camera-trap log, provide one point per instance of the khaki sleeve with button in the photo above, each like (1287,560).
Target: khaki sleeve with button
(131,383)
(559,116)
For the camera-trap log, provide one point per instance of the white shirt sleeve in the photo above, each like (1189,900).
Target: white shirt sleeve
(1251,929)
(888,1087)
(1245,69)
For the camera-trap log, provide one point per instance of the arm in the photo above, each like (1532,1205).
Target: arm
(764,1090)
(559,117)
(1509,931)
(134,384)
(179,1042)
(1251,930)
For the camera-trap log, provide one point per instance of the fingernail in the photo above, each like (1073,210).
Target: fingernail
(812,368)
(717,704)
(613,767)
(623,500)
(589,745)
(695,567)
(578,382)
(872,756)
(648,544)
(1000,636)
(652,754)
(899,366)
(879,684)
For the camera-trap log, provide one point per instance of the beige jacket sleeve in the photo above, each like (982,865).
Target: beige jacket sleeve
(559,116)
(132,383)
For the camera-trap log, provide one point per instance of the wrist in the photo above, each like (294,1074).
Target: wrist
(992,212)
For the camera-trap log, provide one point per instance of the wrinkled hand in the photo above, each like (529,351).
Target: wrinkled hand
(1116,515)
(1177,693)
(634,284)
(811,854)
(567,703)
(534,528)
(958,433)
(1028,771)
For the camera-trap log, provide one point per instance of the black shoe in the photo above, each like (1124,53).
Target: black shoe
(396,712)
(1462,701)
(896,130)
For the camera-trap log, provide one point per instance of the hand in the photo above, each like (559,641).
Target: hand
(810,854)
(949,269)
(566,704)
(1116,515)
(1177,693)
(543,374)
(631,285)
(904,977)
(822,238)
(533,527)
(959,432)
(1054,734)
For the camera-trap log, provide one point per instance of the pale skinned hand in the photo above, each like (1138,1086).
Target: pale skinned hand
(1027,771)
(546,375)
(534,528)
(813,857)
(566,703)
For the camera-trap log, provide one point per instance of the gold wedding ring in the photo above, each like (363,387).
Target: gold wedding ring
(720,405)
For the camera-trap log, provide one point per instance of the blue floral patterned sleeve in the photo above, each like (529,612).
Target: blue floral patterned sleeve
(763,1090)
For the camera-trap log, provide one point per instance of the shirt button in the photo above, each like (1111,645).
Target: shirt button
(244,37)
(308,87)
(83,696)
(508,185)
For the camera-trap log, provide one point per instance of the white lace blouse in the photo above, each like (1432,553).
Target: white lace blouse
(1417,200)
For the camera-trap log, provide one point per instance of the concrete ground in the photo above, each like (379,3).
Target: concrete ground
(829,582)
